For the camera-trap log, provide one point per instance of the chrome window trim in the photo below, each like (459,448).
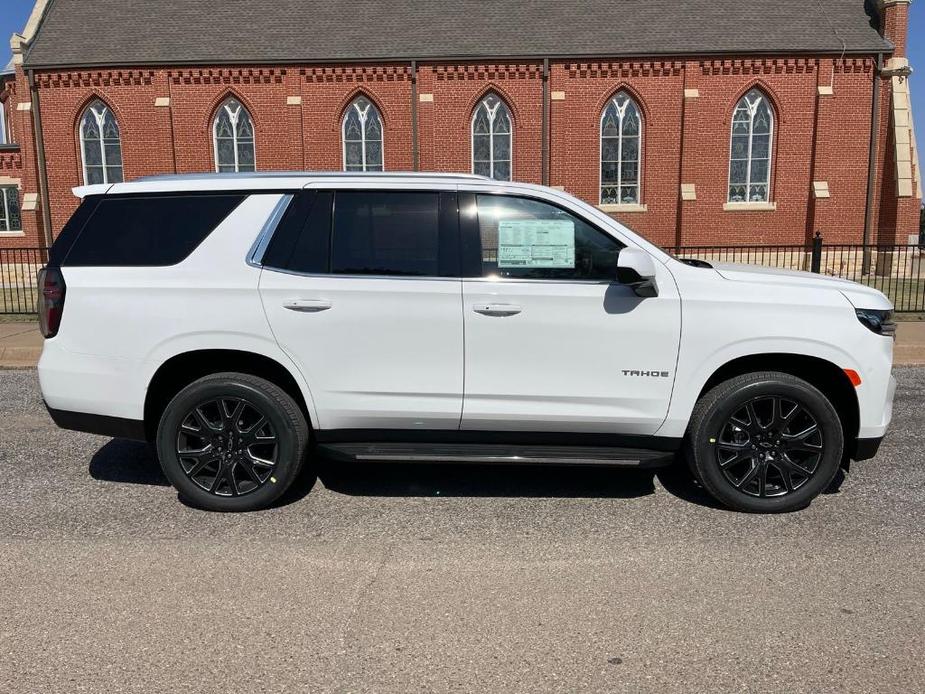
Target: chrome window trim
(328,275)
(259,247)
(429,278)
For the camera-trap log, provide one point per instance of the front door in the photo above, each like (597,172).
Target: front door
(553,342)
(368,305)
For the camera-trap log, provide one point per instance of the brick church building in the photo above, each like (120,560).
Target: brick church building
(696,122)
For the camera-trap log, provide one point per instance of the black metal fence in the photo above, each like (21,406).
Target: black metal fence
(897,271)
(19,268)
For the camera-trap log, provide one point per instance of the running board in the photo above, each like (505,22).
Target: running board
(479,454)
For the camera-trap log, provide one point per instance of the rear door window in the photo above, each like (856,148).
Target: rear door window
(155,230)
(403,233)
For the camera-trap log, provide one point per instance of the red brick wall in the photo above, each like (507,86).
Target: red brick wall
(821,138)
(447,121)
(658,89)
(894,25)
(19,162)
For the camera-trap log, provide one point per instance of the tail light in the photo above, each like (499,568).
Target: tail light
(51,300)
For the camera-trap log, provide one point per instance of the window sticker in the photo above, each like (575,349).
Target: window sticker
(543,243)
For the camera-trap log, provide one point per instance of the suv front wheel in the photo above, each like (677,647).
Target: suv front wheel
(232,442)
(765,442)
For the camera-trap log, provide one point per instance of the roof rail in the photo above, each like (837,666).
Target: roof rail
(309,174)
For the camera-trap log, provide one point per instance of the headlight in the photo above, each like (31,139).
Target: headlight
(880,322)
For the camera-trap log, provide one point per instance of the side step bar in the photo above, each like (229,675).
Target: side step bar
(479,454)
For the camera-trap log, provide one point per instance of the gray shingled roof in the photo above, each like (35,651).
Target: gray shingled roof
(142,32)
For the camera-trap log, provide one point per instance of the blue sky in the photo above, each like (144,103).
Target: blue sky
(917,60)
(13,15)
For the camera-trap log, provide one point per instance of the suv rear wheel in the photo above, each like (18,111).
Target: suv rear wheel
(765,442)
(232,442)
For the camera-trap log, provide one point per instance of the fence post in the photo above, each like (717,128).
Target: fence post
(816,263)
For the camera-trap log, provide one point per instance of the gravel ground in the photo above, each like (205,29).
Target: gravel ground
(401,578)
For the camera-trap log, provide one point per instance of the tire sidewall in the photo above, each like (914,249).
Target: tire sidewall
(809,398)
(288,458)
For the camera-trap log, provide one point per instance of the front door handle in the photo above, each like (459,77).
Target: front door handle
(497,309)
(307,305)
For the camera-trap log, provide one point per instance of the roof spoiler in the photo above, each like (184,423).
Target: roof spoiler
(96,189)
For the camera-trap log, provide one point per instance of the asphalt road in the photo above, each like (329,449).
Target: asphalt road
(401,578)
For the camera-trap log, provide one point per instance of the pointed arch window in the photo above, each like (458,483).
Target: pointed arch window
(362,136)
(233,138)
(492,139)
(100,144)
(621,147)
(750,149)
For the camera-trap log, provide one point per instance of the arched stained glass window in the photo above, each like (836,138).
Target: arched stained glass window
(362,136)
(750,150)
(100,145)
(492,139)
(621,148)
(233,138)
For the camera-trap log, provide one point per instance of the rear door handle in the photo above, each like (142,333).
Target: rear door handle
(307,305)
(497,309)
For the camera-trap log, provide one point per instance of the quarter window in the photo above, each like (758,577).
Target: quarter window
(233,138)
(525,238)
(149,231)
(10,216)
(491,139)
(100,145)
(750,150)
(621,144)
(362,135)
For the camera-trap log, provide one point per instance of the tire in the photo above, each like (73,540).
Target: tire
(245,440)
(764,442)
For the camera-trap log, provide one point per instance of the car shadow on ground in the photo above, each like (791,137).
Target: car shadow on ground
(131,462)
(127,462)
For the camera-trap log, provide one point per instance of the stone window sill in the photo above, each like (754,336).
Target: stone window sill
(623,208)
(750,206)
(10,234)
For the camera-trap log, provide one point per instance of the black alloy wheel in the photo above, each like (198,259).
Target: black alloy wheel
(765,442)
(227,446)
(771,446)
(232,442)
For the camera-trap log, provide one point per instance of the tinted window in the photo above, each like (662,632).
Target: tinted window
(312,251)
(530,239)
(150,230)
(72,229)
(302,240)
(387,233)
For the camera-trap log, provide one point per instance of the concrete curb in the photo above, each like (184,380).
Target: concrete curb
(19,357)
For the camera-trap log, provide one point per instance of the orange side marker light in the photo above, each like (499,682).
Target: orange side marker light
(853,376)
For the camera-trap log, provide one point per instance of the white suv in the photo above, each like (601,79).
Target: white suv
(246,323)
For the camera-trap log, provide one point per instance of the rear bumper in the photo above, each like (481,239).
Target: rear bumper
(116,427)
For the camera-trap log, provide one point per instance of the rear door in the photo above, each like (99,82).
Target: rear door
(366,299)
(553,342)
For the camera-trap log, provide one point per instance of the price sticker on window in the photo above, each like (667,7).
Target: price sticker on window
(536,243)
